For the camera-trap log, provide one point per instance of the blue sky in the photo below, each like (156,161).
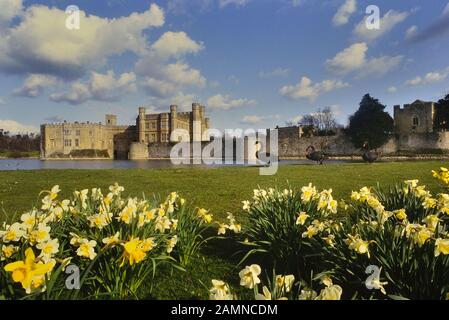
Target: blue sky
(253,63)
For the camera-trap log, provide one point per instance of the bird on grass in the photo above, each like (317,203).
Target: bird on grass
(368,155)
(313,155)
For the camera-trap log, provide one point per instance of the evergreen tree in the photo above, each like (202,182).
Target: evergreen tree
(370,123)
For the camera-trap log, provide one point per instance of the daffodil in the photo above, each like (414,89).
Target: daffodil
(330,240)
(310,232)
(308,193)
(162,224)
(265,296)
(99,220)
(7,252)
(441,246)
(358,245)
(222,229)
(127,214)
(302,217)
(400,214)
(116,189)
(285,283)
(431,221)
(113,240)
(219,291)
(422,236)
(174,224)
(29,273)
(29,219)
(42,234)
(332,292)
(13,233)
(172,243)
(246,205)
(249,276)
(86,249)
(48,249)
(133,252)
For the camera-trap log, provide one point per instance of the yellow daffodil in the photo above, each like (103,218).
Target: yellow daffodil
(358,245)
(29,273)
(113,240)
(429,203)
(330,240)
(162,224)
(422,236)
(219,291)
(308,193)
(13,233)
(42,234)
(172,243)
(302,217)
(86,249)
(48,249)
(441,246)
(29,219)
(431,221)
(222,229)
(285,283)
(249,276)
(116,189)
(7,252)
(400,214)
(310,232)
(265,296)
(332,292)
(149,244)
(133,252)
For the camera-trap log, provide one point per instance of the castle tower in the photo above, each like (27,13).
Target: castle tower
(196,122)
(141,124)
(173,118)
(111,120)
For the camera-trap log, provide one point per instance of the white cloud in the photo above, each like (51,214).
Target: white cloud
(344,12)
(428,78)
(175,44)
(350,59)
(100,87)
(165,80)
(16,127)
(225,102)
(278,72)
(41,43)
(35,85)
(387,23)
(411,32)
(10,9)
(238,3)
(354,59)
(392,89)
(183,101)
(254,119)
(305,88)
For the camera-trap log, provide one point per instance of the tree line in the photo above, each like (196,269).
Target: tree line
(18,143)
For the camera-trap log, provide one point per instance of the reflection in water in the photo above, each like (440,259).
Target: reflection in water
(35,164)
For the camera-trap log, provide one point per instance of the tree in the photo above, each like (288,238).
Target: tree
(370,123)
(323,121)
(441,121)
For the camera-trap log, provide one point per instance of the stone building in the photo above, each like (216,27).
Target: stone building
(113,141)
(417,117)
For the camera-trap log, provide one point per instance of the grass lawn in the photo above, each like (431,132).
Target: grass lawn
(220,190)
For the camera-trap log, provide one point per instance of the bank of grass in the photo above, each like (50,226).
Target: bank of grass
(18,154)
(220,190)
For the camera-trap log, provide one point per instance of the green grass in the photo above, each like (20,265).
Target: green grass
(217,189)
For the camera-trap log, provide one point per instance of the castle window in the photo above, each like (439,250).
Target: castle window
(67,143)
(153,125)
(415,121)
(78,132)
(163,125)
(67,132)
(147,126)
(153,137)
(77,143)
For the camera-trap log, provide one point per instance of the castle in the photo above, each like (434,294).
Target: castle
(113,141)
(150,137)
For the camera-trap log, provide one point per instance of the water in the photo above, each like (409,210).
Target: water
(35,164)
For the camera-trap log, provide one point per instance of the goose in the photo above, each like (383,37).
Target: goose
(369,156)
(313,155)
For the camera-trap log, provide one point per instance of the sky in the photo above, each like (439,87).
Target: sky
(252,63)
